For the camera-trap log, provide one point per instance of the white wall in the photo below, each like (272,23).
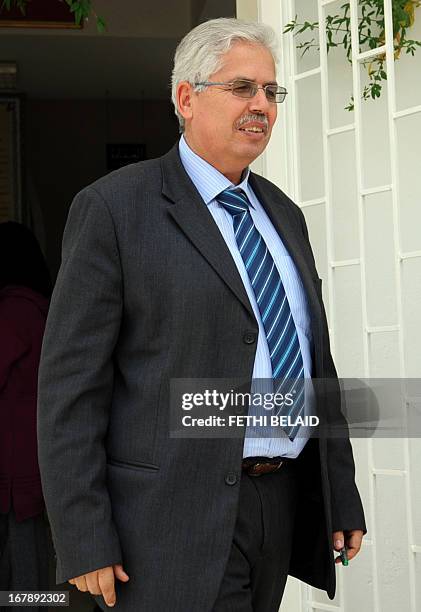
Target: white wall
(357,178)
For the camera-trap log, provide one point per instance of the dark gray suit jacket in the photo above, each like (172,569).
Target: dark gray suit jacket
(148,291)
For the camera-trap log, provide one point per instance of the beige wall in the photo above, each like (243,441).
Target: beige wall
(247,9)
(65,144)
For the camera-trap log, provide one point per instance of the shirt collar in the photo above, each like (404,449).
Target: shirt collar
(208,181)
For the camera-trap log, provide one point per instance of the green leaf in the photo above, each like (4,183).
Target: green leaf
(100,25)
(10,4)
(350,106)
(289,27)
(86,6)
(78,15)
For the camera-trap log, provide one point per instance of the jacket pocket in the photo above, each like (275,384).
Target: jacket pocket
(133,465)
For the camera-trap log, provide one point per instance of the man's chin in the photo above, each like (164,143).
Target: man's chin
(251,151)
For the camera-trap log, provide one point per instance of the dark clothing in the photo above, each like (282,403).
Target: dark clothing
(148,292)
(258,565)
(23,313)
(25,549)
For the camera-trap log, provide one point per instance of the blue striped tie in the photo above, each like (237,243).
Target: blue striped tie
(278,323)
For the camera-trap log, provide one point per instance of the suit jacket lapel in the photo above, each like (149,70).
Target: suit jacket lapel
(193,217)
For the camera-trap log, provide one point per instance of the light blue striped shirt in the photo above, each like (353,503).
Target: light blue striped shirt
(210,182)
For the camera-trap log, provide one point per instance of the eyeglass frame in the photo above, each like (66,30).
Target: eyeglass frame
(264,87)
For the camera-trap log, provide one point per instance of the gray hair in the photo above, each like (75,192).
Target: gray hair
(200,53)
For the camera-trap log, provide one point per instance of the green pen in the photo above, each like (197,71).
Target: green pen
(344,556)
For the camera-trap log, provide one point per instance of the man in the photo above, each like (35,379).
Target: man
(154,286)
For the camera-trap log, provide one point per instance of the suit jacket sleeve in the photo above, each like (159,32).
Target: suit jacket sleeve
(346,507)
(75,390)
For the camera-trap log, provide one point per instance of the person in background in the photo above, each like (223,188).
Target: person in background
(25,288)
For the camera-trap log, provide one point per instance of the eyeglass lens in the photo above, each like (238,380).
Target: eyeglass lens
(248,89)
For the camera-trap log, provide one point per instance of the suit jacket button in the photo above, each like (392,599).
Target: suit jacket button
(231,478)
(249,337)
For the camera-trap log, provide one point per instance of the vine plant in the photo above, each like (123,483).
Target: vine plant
(82,10)
(371,31)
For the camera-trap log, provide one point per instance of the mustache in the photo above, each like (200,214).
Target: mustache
(255,117)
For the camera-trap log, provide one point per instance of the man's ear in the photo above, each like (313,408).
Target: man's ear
(184,99)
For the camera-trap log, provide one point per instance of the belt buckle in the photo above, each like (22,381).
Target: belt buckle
(279,464)
(251,471)
(256,465)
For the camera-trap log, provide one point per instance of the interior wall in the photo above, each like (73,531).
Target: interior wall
(65,143)
(130,18)
(211,9)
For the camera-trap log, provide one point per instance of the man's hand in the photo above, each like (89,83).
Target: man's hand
(101,582)
(351,539)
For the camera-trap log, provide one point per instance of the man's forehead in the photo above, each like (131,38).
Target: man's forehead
(248,61)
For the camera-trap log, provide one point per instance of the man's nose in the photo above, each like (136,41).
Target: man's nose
(259,101)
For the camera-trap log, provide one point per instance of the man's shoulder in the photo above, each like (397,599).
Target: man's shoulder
(275,192)
(135,180)
(118,183)
(129,189)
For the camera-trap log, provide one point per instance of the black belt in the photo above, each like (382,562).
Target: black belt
(256,466)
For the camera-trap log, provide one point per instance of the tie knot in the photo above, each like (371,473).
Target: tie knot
(234,201)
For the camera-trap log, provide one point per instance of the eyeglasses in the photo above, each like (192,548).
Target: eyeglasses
(248,89)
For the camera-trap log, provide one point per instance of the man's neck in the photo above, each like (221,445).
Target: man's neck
(235,176)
